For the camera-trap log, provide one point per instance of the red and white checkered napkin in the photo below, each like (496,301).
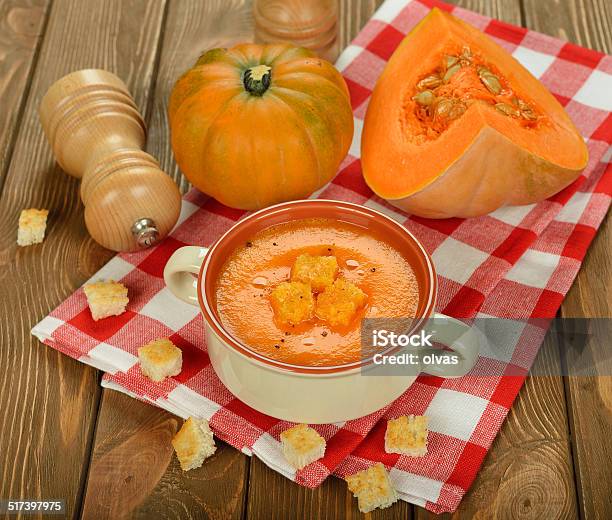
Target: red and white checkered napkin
(516,262)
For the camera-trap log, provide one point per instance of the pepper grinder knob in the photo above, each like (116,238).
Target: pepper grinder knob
(97,134)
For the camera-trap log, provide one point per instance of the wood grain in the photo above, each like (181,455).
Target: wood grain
(22,24)
(506,10)
(218,489)
(273,497)
(589,398)
(352,16)
(589,402)
(48,402)
(585,22)
(588,23)
(135,474)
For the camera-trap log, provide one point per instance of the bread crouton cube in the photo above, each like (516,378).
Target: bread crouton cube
(302,445)
(292,302)
(32,225)
(160,359)
(106,299)
(318,271)
(372,488)
(339,302)
(407,435)
(193,443)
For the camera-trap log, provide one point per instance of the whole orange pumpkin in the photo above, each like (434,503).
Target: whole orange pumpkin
(260,124)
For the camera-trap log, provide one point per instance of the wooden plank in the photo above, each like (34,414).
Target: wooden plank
(588,23)
(218,488)
(22,24)
(585,22)
(135,474)
(274,497)
(352,16)
(508,11)
(590,397)
(48,402)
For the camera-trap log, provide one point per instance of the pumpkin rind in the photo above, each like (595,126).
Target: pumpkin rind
(260,124)
(481,161)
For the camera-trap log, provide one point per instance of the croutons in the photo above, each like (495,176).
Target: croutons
(407,435)
(32,225)
(318,271)
(372,488)
(339,302)
(193,443)
(106,299)
(292,302)
(160,359)
(302,445)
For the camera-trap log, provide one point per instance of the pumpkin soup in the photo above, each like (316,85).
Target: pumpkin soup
(296,292)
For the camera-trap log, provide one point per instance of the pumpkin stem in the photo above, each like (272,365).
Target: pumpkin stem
(257,79)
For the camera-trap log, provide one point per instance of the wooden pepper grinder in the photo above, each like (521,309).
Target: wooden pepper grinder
(306,23)
(97,134)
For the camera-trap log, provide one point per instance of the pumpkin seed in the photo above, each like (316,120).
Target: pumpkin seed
(491,82)
(451,72)
(425,97)
(449,61)
(457,110)
(431,81)
(466,53)
(522,105)
(529,115)
(443,106)
(507,110)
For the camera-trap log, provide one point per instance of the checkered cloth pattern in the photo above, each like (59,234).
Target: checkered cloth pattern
(517,262)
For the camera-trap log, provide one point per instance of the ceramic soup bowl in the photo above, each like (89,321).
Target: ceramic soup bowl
(311,394)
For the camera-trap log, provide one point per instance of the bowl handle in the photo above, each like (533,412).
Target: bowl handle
(463,341)
(181,272)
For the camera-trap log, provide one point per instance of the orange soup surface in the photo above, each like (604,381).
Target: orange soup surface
(364,258)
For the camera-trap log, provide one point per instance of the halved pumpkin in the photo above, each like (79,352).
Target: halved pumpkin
(456,127)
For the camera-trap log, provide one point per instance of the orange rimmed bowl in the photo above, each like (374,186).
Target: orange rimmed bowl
(308,394)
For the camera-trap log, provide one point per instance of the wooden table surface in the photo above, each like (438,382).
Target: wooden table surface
(109,456)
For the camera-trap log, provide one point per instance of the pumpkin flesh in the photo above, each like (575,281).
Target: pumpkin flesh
(478,160)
